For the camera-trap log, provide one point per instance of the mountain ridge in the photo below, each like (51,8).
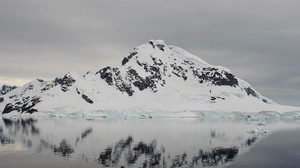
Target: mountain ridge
(154,76)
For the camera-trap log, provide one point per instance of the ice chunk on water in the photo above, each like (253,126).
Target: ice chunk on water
(257,131)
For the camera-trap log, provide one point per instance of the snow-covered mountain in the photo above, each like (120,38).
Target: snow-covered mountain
(153,78)
(5,89)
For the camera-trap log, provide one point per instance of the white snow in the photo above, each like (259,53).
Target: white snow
(177,98)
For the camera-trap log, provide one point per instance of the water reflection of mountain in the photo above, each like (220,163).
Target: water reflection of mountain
(25,125)
(5,139)
(157,157)
(18,127)
(125,152)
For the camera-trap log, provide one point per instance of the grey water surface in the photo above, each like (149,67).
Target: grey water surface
(281,149)
(70,142)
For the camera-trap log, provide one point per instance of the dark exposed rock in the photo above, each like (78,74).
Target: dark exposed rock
(5,89)
(266,101)
(160,46)
(250,91)
(24,106)
(147,82)
(132,54)
(10,107)
(214,98)
(157,61)
(1,99)
(210,74)
(151,42)
(47,87)
(120,83)
(12,96)
(124,61)
(28,105)
(106,74)
(137,80)
(40,80)
(139,63)
(179,71)
(87,99)
(77,90)
(65,82)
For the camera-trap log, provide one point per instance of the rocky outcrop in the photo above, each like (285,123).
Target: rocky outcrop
(5,89)
(26,105)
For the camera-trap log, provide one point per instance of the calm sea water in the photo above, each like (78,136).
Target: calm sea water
(66,142)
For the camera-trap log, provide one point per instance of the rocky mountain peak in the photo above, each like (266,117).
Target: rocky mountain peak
(153,71)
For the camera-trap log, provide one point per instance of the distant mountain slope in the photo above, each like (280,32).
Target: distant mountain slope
(153,77)
(5,89)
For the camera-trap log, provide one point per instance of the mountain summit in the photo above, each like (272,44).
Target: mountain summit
(154,77)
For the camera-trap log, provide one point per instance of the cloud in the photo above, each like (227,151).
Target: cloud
(258,40)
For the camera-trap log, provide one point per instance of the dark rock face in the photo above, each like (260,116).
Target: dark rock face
(5,89)
(87,99)
(152,44)
(23,106)
(10,107)
(77,91)
(179,71)
(106,74)
(113,76)
(251,92)
(266,101)
(47,87)
(121,83)
(144,83)
(65,82)
(213,75)
(126,59)
(1,99)
(213,99)
(161,47)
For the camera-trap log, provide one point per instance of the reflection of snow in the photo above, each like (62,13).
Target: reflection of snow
(212,140)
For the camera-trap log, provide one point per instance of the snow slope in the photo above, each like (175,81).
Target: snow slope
(153,79)
(6,88)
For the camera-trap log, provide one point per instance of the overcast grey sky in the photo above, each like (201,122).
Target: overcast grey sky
(259,40)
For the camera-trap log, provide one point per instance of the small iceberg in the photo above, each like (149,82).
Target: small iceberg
(258,131)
